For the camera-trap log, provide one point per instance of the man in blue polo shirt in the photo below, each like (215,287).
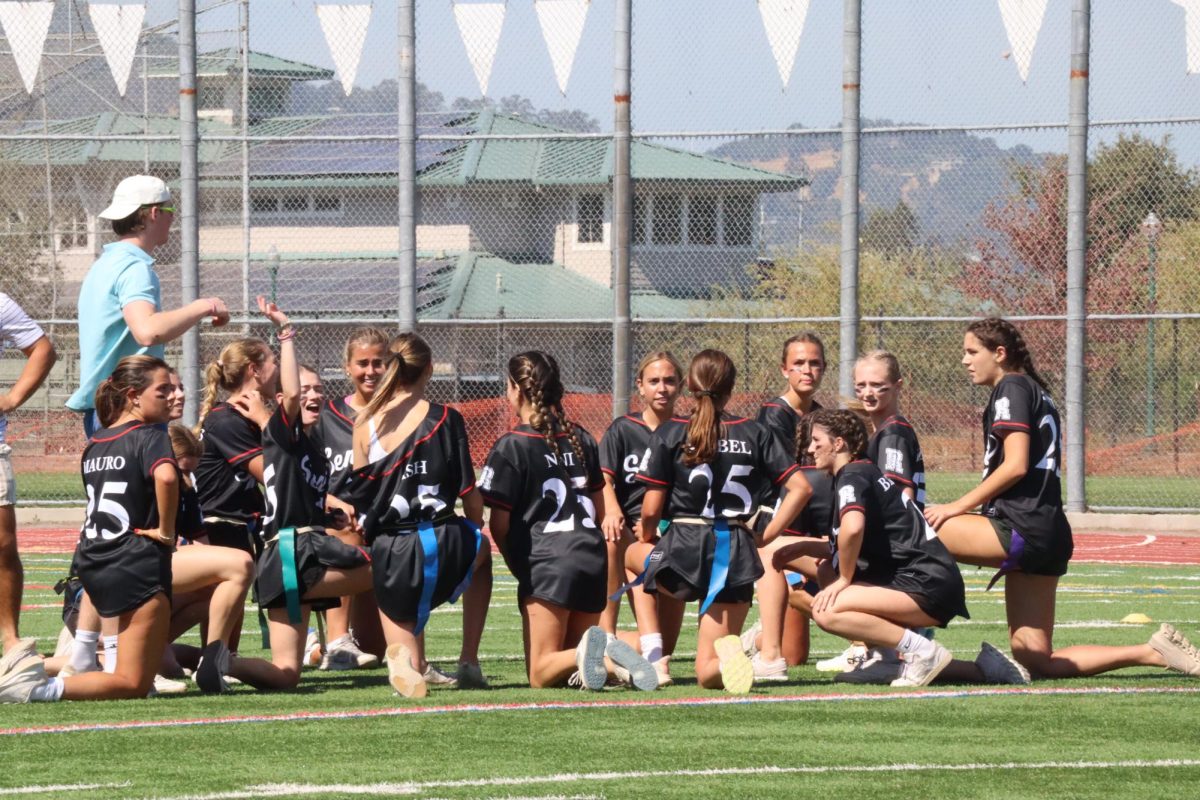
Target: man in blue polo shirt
(120,303)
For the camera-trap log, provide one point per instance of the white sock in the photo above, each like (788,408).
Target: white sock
(339,641)
(652,646)
(83,651)
(110,654)
(915,643)
(48,692)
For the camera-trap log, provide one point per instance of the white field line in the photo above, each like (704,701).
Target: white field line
(56,788)
(412,788)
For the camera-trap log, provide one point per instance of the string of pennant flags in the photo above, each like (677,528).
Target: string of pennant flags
(118,28)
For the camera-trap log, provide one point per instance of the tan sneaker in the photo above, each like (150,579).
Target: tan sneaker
(1176,650)
(403,677)
(920,671)
(737,673)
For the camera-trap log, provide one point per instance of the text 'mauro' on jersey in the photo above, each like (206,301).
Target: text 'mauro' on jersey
(118,477)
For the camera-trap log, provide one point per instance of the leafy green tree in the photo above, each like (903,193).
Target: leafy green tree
(891,231)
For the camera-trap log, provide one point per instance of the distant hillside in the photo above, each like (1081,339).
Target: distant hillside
(947,178)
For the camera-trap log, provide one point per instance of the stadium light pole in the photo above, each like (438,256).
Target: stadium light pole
(851,133)
(189,228)
(406,174)
(1152,226)
(622,204)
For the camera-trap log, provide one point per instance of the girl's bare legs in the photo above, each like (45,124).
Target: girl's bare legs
(230,573)
(142,636)
(616,574)
(721,619)
(553,633)
(476,600)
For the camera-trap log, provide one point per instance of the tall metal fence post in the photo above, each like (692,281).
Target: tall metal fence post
(851,75)
(188,210)
(244,46)
(622,205)
(406,180)
(1077,208)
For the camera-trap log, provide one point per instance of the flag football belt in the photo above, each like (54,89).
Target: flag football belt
(286,540)
(663,524)
(720,565)
(425,529)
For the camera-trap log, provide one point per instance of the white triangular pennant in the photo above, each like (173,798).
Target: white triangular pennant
(345,29)
(26,25)
(479,26)
(1191,23)
(118,27)
(562,27)
(1022,22)
(784,23)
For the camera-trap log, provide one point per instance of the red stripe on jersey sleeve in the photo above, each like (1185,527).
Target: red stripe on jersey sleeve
(842,513)
(608,471)
(900,479)
(466,491)
(163,460)
(787,473)
(648,479)
(246,456)
(1009,424)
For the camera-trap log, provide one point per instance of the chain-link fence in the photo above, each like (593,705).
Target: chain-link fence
(736,223)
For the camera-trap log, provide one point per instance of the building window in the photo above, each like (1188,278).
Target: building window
(589,214)
(327,203)
(739,220)
(668,208)
(295,203)
(702,219)
(264,204)
(640,208)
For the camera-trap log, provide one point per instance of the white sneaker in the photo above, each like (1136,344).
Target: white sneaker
(662,668)
(749,637)
(435,677)
(629,667)
(403,677)
(998,666)
(312,650)
(21,679)
(347,656)
(24,649)
(737,673)
(589,659)
(470,676)
(920,671)
(845,660)
(163,685)
(771,671)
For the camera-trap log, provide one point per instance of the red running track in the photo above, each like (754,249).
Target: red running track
(1096,548)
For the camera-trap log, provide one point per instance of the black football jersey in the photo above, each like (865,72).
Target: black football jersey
(622,450)
(295,476)
(1034,505)
(118,476)
(421,479)
(190,522)
(226,488)
(335,432)
(895,450)
(896,535)
(816,518)
(524,476)
(781,419)
(749,466)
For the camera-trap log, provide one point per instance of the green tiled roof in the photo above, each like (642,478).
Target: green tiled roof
(75,152)
(262,65)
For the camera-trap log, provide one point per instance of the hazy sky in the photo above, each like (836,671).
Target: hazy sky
(707,65)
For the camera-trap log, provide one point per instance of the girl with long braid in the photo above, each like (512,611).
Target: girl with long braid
(412,465)
(543,484)
(708,475)
(1023,530)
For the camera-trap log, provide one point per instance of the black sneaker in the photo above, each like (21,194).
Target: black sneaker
(214,664)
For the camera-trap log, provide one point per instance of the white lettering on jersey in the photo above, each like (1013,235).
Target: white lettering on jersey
(1003,411)
(887,483)
(339,462)
(485,479)
(316,480)
(893,461)
(99,463)
(416,468)
(567,457)
(631,465)
(846,496)
(733,446)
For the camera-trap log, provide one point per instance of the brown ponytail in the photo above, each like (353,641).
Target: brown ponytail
(228,372)
(132,372)
(407,360)
(994,333)
(711,378)
(537,377)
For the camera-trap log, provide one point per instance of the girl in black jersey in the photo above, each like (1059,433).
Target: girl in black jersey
(622,448)
(543,483)
(124,553)
(893,447)
(781,632)
(412,465)
(1023,530)
(708,475)
(301,567)
(890,572)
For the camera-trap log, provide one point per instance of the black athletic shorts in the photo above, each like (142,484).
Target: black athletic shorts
(568,569)
(398,567)
(121,574)
(315,552)
(681,563)
(1035,554)
(227,533)
(939,593)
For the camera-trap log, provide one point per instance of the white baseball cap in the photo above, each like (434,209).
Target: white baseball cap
(133,193)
